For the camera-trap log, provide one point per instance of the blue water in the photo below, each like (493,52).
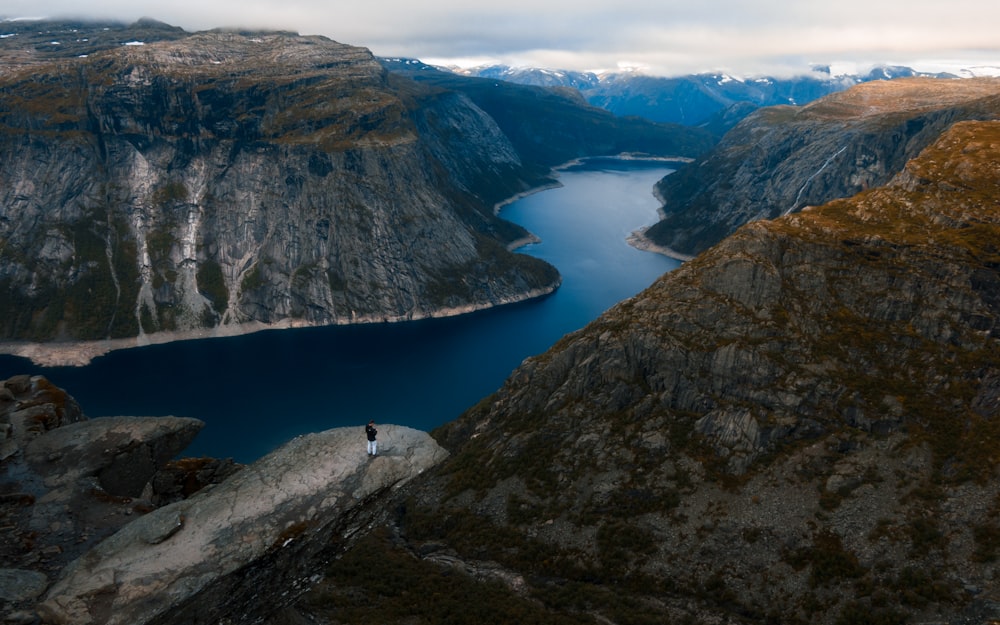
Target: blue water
(254,392)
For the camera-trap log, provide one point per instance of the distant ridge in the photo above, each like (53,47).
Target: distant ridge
(694,99)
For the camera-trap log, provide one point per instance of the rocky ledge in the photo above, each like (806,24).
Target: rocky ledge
(102,526)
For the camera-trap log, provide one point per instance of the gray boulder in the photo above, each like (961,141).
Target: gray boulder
(247,547)
(123,453)
(67,482)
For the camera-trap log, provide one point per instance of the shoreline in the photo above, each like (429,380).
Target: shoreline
(82,353)
(555,184)
(640,241)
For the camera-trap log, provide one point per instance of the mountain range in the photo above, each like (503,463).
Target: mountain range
(693,99)
(798,425)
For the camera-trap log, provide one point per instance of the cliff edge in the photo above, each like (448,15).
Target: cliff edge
(103,525)
(226,551)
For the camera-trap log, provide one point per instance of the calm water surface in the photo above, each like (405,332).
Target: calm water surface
(254,392)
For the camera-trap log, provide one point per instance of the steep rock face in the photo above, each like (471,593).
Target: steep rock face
(781,159)
(241,550)
(224,179)
(797,426)
(159,184)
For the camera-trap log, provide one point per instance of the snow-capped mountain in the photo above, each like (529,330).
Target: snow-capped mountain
(692,99)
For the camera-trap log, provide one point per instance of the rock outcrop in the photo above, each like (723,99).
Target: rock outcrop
(103,525)
(799,425)
(121,453)
(781,159)
(66,481)
(29,407)
(242,549)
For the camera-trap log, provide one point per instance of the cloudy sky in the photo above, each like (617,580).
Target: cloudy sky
(663,37)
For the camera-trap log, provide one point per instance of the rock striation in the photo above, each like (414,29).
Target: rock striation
(175,185)
(781,159)
(799,425)
(230,179)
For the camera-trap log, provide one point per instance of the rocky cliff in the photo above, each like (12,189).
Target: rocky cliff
(781,159)
(102,525)
(223,181)
(798,426)
(226,179)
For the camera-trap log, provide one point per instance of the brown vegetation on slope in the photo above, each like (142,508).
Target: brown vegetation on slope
(781,159)
(799,426)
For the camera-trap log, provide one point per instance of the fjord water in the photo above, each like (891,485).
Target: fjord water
(257,391)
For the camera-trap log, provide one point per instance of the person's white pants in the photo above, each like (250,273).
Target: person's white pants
(372,447)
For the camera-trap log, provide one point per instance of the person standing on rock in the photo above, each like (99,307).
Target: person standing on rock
(371,432)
